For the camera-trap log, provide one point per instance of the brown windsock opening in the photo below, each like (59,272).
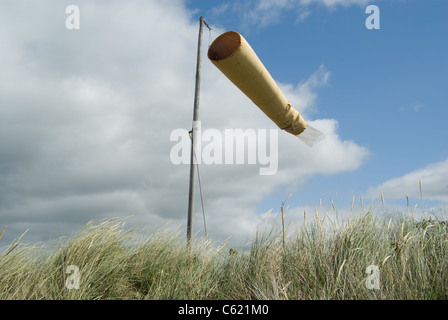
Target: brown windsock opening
(224,46)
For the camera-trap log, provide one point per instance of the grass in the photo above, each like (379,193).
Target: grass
(320,260)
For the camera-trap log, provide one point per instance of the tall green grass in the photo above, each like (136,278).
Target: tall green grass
(320,260)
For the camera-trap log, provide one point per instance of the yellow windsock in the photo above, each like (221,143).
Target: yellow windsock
(233,55)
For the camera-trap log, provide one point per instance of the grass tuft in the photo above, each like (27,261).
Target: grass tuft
(320,260)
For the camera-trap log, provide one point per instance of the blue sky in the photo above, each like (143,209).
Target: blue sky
(86,115)
(387,87)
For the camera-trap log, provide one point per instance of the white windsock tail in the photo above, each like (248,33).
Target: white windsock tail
(311,136)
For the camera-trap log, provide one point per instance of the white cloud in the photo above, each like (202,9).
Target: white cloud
(331,3)
(216,11)
(434,179)
(303,95)
(266,12)
(413,107)
(86,116)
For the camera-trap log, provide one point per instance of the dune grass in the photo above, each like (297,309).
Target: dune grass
(319,260)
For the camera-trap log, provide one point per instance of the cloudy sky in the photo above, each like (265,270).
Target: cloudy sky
(86,114)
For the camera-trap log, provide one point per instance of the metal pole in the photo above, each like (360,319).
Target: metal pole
(193,136)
